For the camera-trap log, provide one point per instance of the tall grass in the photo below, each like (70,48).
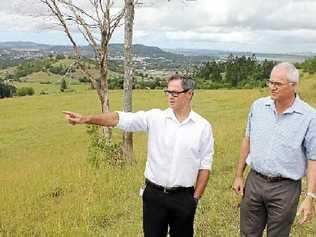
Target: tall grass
(47,187)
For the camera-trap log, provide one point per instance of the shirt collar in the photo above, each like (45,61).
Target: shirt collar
(296,107)
(171,115)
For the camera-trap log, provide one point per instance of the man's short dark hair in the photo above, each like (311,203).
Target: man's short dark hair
(187,82)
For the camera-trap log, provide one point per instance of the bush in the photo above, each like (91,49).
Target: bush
(59,69)
(69,90)
(42,92)
(63,85)
(7,90)
(23,91)
(84,79)
(60,56)
(102,151)
(45,82)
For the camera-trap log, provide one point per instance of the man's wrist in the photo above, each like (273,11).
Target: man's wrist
(312,195)
(196,199)
(86,119)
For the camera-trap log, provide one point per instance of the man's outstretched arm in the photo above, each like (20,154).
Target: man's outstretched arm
(108,119)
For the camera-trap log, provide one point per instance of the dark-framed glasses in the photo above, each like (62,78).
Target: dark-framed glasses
(175,93)
(271,83)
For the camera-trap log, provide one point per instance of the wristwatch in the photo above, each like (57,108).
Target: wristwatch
(312,195)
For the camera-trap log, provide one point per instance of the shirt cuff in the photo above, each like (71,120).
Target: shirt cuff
(122,120)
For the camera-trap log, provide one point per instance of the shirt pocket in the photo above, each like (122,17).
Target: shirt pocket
(291,138)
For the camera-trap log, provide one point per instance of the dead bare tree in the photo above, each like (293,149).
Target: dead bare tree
(96,24)
(128,75)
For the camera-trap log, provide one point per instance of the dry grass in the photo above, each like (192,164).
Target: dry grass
(48,189)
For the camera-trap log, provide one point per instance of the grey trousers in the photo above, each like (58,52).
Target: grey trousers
(267,203)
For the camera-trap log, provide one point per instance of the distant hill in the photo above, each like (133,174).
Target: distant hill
(22,45)
(217,54)
(114,49)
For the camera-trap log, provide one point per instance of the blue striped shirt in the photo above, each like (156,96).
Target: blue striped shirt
(280,145)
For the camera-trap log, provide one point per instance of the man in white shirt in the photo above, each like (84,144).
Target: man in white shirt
(179,159)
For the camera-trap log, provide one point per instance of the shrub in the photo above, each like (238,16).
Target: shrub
(84,79)
(42,92)
(63,85)
(7,90)
(23,91)
(45,82)
(103,151)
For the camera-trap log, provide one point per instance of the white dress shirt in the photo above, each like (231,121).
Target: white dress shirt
(176,151)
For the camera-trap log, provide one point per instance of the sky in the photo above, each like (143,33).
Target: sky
(268,26)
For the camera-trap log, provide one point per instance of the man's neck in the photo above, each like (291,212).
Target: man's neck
(281,106)
(182,114)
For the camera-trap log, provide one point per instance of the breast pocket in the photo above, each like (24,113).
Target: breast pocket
(291,137)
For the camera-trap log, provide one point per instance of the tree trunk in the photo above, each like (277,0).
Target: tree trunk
(103,93)
(128,76)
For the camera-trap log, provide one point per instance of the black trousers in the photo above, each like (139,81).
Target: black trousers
(174,210)
(271,204)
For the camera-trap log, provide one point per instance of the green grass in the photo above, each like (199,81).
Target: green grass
(51,89)
(48,189)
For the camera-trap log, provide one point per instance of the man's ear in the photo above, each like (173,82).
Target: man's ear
(191,93)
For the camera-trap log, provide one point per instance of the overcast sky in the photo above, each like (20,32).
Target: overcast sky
(283,26)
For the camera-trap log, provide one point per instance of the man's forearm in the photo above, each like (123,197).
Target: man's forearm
(311,176)
(244,151)
(201,183)
(108,119)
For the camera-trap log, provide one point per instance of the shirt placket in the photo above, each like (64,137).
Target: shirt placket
(173,155)
(275,130)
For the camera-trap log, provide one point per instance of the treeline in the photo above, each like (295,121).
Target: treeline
(140,81)
(309,65)
(234,72)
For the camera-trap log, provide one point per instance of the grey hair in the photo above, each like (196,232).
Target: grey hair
(292,73)
(186,81)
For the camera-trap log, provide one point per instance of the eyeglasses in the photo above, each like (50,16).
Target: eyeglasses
(174,93)
(277,84)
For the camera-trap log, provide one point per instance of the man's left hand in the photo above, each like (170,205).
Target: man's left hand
(307,210)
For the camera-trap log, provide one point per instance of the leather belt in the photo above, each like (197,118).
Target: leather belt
(271,179)
(168,189)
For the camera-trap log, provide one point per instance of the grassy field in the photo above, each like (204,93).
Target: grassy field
(47,188)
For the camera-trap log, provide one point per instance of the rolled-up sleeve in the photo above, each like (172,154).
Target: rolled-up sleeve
(207,148)
(310,140)
(132,122)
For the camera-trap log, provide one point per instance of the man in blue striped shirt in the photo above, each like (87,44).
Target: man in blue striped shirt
(280,148)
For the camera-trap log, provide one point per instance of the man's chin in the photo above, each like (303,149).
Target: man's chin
(273,97)
(171,105)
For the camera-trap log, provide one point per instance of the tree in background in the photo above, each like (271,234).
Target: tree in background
(128,75)
(6,90)
(309,65)
(96,23)
(63,85)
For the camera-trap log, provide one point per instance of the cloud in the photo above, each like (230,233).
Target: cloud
(223,23)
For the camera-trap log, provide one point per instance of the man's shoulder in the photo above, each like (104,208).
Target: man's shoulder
(306,108)
(263,101)
(200,119)
(156,113)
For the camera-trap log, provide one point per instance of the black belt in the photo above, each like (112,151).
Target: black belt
(271,179)
(168,189)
